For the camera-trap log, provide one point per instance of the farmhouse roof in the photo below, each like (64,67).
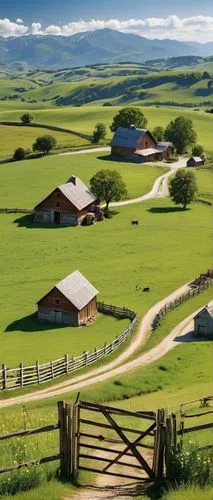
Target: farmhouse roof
(77,289)
(127,137)
(208,308)
(195,158)
(164,145)
(147,151)
(77,192)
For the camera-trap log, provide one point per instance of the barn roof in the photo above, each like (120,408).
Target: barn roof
(77,289)
(208,308)
(127,137)
(195,158)
(164,145)
(77,192)
(147,151)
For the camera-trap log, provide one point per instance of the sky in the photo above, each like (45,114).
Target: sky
(190,20)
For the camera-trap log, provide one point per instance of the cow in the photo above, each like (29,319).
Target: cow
(146,289)
(134,222)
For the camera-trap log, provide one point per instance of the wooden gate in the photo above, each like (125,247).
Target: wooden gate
(116,441)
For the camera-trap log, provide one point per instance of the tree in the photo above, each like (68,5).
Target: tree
(158,133)
(44,143)
(181,133)
(99,133)
(197,150)
(108,185)
(182,188)
(19,154)
(127,117)
(26,118)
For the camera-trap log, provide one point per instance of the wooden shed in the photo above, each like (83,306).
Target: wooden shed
(203,322)
(195,161)
(68,204)
(71,302)
(139,145)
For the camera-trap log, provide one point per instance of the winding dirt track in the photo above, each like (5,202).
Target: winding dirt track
(119,365)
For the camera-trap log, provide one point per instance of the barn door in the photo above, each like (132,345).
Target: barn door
(57,217)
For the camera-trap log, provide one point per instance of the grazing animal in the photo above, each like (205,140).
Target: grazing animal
(134,222)
(146,289)
(138,287)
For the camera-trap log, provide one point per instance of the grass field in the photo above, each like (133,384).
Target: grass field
(83,119)
(58,251)
(14,137)
(25,190)
(204,179)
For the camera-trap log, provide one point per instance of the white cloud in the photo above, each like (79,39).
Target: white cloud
(18,20)
(9,28)
(195,28)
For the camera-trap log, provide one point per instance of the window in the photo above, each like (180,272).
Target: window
(58,204)
(57,301)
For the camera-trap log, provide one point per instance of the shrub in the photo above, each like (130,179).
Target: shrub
(19,154)
(189,466)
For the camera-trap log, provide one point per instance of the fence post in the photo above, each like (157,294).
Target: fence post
(52,369)
(21,366)
(62,437)
(66,363)
(38,371)
(159,445)
(4,377)
(73,444)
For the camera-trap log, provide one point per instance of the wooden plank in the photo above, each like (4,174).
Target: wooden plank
(132,447)
(38,461)
(105,426)
(197,414)
(30,432)
(61,405)
(117,411)
(97,471)
(195,428)
(111,462)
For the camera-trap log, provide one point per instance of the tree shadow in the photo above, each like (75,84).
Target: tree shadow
(30,323)
(111,213)
(191,337)
(166,210)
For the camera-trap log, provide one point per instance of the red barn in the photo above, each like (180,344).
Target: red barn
(68,204)
(139,145)
(71,302)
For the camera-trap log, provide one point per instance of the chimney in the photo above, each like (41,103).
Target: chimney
(73,179)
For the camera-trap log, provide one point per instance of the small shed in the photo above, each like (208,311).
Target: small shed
(203,322)
(68,204)
(73,301)
(195,161)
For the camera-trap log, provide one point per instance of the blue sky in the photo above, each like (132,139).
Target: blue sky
(183,19)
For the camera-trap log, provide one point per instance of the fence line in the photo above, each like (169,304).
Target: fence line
(14,378)
(180,300)
(16,210)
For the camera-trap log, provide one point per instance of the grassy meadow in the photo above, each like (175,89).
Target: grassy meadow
(204,180)
(83,119)
(14,137)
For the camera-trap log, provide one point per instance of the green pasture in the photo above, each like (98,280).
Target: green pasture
(26,190)
(14,137)
(35,258)
(83,119)
(204,179)
(15,86)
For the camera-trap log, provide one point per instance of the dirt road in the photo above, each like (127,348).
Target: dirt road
(119,365)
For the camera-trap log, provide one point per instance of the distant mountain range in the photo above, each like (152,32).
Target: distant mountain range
(92,47)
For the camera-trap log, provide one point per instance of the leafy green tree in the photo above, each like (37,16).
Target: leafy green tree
(197,150)
(26,118)
(108,186)
(19,154)
(127,117)
(44,143)
(181,133)
(99,133)
(182,187)
(158,133)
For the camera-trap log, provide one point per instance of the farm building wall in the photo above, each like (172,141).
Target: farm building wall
(57,308)
(203,326)
(192,163)
(146,142)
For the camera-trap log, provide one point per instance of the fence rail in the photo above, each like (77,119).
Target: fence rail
(16,210)
(14,378)
(180,300)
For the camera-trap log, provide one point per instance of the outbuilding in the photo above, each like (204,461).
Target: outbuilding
(68,204)
(139,145)
(195,161)
(203,322)
(73,301)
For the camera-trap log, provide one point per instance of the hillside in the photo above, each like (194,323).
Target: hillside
(92,47)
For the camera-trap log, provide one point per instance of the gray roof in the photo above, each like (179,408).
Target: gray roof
(127,137)
(195,158)
(77,289)
(79,194)
(164,145)
(147,151)
(208,308)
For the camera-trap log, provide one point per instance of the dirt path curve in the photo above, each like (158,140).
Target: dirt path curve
(111,369)
(82,151)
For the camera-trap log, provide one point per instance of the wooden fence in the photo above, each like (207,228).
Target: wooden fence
(16,210)
(180,300)
(14,378)
(166,430)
